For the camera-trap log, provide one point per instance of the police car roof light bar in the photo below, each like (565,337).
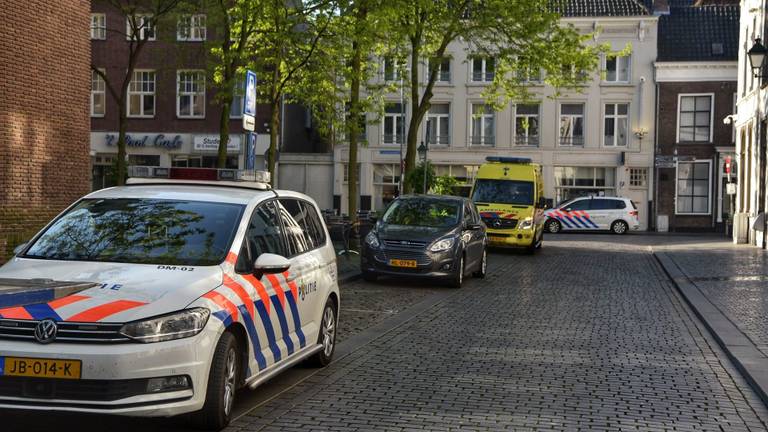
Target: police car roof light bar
(200,174)
(505,159)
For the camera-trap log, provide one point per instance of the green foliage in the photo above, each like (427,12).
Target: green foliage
(414,180)
(444,185)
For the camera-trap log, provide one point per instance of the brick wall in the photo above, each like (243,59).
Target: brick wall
(44,113)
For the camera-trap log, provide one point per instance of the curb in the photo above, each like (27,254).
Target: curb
(749,361)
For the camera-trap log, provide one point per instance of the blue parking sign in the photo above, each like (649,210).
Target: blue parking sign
(249,107)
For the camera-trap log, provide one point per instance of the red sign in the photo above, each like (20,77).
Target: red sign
(727,164)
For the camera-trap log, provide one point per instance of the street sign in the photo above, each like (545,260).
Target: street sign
(730,188)
(249,123)
(727,164)
(249,107)
(665,164)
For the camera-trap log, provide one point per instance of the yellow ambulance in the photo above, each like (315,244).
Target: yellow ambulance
(509,194)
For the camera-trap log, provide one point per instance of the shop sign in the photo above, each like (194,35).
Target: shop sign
(158,141)
(211,143)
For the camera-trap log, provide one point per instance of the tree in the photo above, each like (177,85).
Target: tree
(141,24)
(285,40)
(521,36)
(414,179)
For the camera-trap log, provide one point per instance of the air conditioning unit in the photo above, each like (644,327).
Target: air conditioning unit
(741,228)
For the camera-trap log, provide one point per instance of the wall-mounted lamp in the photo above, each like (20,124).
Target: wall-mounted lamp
(640,133)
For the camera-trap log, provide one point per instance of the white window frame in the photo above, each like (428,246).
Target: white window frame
(98,26)
(644,177)
(398,117)
(191,94)
(141,92)
(711,116)
(96,78)
(396,69)
(572,116)
(141,21)
(616,117)
(618,80)
(515,116)
(439,79)
(439,118)
(709,187)
(484,116)
(195,27)
(483,69)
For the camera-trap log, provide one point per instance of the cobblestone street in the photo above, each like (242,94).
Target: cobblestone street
(589,335)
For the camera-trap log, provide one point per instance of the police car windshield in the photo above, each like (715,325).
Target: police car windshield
(147,231)
(503,192)
(428,212)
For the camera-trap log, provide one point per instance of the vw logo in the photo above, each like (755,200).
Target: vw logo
(45,331)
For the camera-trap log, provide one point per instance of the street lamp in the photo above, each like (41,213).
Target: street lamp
(757,57)
(423,149)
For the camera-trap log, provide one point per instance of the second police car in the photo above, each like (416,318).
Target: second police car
(616,214)
(199,288)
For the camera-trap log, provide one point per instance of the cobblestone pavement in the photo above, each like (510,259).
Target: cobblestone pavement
(735,280)
(589,334)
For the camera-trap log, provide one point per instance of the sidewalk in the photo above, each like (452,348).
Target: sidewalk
(727,286)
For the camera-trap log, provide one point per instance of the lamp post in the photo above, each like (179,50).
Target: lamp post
(756,56)
(423,149)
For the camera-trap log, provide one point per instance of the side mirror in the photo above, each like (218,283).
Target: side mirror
(268,263)
(17,250)
(473,226)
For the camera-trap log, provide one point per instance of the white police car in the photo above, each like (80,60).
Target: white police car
(616,214)
(200,287)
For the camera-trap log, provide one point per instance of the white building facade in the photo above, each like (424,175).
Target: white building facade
(597,141)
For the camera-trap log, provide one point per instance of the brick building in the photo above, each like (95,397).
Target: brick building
(173,118)
(696,75)
(44,82)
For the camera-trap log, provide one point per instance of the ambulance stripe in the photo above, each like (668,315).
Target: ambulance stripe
(260,290)
(296,318)
(223,302)
(15,313)
(267,323)
(64,301)
(251,330)
(224,316)
(283,325)
(102,311)
(42,311)
(240,292)
(277,286)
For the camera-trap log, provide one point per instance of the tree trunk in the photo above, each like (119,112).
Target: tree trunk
(352,128)
(223,133)
(413,125)
(122,126)
(274,127)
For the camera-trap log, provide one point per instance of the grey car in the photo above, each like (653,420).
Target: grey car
(426,236)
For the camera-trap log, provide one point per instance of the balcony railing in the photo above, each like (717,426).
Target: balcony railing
(571,141)
(444,76)
(528,141)
(482,140)
(393,139)
(482,76)
(440,139)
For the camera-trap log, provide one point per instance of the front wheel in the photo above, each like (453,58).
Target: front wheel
(480,273)
(619,227)
(458,275)
(553,226)
(222,385)
(327,335)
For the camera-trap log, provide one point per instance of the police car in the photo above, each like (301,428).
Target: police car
(199,284)
(616,214)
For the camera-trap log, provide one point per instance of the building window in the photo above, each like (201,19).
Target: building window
(617,69)
(527,124)
(439,124)
(693,188)
(386,180)
(98,26)
(238,99)
(695,118)
(190,96)
(638,177)
(572,124)
(574,182)
(391,69)
(191,28)
(483,127)
(346,173)
(615,125)
(464,175)
(141,94)
(394,123)
(144,160)
(140,27)
(527,73)
(483,69)
(443,70)
(98,95)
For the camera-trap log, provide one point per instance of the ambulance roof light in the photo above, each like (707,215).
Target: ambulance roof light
(505,159)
